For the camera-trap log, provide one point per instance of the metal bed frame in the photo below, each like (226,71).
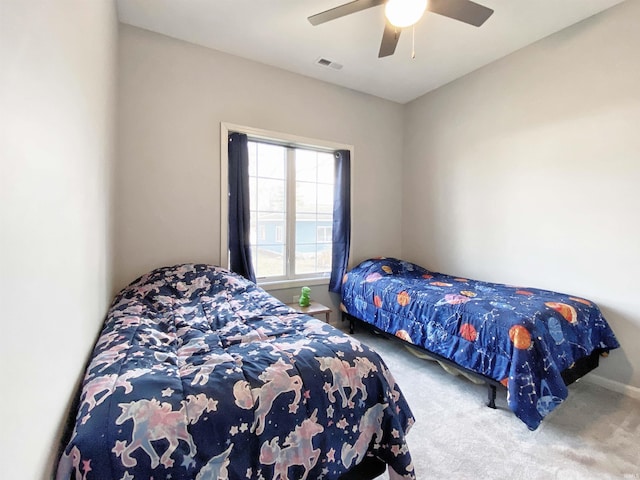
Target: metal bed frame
(580,368)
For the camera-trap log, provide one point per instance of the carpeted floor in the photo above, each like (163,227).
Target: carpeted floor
(595,434)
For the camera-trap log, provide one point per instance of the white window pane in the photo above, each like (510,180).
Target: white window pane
(326,166)
(324,233)
(313,258)
(306,197)
(269,261)
(271,161)
(306,166)
(325,198)
(253,193)
(270,227)
(306,231)
(324,258)
(253,230)
(305,259)
(270,195)
(253,158)
(324,219)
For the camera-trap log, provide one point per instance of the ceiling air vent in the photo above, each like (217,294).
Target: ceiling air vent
(323,62)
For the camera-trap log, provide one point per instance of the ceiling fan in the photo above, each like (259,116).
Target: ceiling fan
(404,13)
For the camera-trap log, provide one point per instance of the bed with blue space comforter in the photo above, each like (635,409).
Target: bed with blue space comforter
(200,374)
(523,338)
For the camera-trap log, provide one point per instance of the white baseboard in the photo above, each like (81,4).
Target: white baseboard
(628,390)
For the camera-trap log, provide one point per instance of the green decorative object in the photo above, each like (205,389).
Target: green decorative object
(305,299)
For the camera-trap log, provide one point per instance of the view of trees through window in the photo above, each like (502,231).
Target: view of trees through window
(291,195)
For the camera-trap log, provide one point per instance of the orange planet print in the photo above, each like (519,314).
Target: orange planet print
(468,293)
(461,279)
(581,300)
(404,335)
(403,299)
(520,337)
(524,292)
(468,332)
(505,381)
(427,276)
(441,284)
(387,269)
(567,311)
(377,301)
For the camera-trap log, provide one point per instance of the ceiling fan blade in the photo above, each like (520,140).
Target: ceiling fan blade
(390,39)
(342,10)
(464,10)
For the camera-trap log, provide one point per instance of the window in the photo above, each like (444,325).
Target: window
(291,194)
(279,235)
(324,233)
(291,190)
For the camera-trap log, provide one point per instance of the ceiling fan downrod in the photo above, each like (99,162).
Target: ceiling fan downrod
(413,42)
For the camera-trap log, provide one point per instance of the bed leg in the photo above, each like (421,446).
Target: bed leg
(492,396)
(352,325)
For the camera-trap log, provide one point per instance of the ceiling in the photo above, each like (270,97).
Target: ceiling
(276,32)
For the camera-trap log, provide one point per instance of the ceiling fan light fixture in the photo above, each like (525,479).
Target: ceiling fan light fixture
(404,13)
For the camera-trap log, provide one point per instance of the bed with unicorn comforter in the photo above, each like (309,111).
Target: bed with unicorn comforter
(200,374)
(533,342)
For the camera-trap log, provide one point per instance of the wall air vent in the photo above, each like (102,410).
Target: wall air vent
(323,62)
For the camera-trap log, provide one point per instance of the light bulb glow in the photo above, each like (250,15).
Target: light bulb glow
(404,13)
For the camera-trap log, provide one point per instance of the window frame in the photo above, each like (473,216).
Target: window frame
(284,139)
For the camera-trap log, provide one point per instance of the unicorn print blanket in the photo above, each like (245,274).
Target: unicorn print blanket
(200,374)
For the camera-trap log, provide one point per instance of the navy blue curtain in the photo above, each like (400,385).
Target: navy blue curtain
(239,220)
(341,219)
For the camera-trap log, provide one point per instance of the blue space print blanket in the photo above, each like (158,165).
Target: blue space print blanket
(200,374)
(521,337)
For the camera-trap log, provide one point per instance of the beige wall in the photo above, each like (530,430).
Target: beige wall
(173,96)
(527,172)
(57,81)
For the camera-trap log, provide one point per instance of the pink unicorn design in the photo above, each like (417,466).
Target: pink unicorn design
(108,338)
(231,282)
(71,463)
(116,307)
(144,288)
(134,310)
(108,384)
(189,289)
(255,335)
(153,421)
(293,348)
(196,405)
(109,357)
(345,375)
(356,346)
(129,321)
(184,269)
(370,426)
(203,371)
(216,468)
(194,345)
(395,393)
(276,381)
(312,328)
(297,449)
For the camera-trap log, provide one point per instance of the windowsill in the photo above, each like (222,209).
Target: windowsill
(284,284)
